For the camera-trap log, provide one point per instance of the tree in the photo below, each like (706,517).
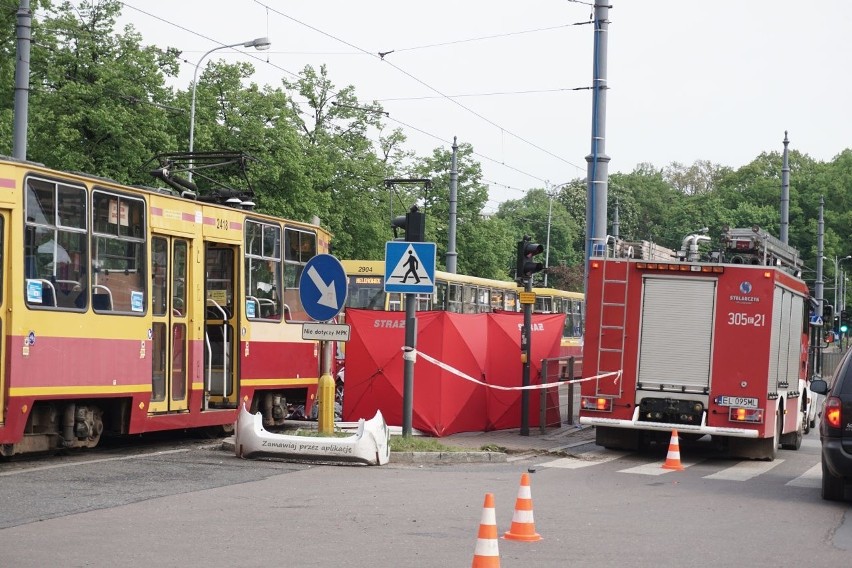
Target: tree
(98,102)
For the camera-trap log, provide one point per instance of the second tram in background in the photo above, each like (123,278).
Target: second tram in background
(464,294)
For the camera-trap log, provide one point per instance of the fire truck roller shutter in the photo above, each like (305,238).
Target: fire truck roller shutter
(676,333)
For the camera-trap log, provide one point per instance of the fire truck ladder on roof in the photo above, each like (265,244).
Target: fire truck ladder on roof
(613,322)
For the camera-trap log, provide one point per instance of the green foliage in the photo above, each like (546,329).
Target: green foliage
(99,103)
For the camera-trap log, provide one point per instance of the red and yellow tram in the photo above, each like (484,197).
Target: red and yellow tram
(126,310)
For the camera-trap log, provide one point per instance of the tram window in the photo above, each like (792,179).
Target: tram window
(469,301)
(366,292)
(511,301)
(159,275)
(497,299)
(455,298)
(395,302)
(423,303)
(263,271)
(299,248)
(484,300)
(440,295)
(55,245)
(118,258)
(543,304)
(179,274)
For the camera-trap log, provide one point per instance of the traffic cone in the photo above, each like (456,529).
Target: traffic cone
(673,457)
(486,554)
(523,527)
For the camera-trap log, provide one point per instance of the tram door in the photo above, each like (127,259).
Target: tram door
(4,301)
(220,324)
(169,272)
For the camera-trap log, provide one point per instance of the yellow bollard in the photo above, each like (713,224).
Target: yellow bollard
(325,399)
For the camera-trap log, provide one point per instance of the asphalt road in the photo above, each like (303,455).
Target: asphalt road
(190,504)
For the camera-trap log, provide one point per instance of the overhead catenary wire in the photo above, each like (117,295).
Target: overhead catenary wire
(365,52)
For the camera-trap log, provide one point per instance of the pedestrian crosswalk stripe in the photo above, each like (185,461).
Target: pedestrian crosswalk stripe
(410,270)
(655,468)
(744,470)
(592,457)
(811,478)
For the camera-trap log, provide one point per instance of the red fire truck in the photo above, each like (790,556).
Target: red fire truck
(703,342)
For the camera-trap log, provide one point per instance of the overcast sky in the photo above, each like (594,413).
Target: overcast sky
(689,80)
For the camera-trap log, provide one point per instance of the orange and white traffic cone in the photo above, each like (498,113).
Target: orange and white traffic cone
(486,554)
(673,457)
(523,526)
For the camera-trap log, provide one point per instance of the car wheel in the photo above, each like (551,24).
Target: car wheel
(832,487)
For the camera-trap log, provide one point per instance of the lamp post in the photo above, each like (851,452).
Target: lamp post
(260,44)
(836,264)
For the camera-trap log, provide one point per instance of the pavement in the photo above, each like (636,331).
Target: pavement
(494,446)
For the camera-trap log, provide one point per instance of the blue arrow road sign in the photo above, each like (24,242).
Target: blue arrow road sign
(322,287)
(410,267)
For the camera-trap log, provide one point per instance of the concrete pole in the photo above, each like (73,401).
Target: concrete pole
(820,283)
(547,246)
(598,162)
(785,194)
(22,81)
(452,257)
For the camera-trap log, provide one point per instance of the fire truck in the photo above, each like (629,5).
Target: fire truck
(707,342)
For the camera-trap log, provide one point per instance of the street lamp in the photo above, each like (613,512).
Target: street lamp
(836,264)
(260,44)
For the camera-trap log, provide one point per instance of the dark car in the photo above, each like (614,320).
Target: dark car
(835,430)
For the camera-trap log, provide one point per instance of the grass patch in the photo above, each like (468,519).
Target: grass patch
(420,444)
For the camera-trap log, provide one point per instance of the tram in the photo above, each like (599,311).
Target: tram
(126,310)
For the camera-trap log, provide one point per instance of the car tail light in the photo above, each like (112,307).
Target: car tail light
(599,403)
(832,411)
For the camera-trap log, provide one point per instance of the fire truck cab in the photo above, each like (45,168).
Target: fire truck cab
(708,343)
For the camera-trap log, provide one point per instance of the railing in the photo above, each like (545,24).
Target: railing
(563,371)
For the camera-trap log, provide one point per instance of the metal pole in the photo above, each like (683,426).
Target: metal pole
(598,161)
(408,366)
(526,350)
(547,246)
(785,193)
(22,81)
(451,231)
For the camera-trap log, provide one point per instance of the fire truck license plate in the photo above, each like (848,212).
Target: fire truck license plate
(740,401)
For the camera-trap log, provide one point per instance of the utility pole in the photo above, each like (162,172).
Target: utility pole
(785,194)
(451,231)
(22,81)
(598,161)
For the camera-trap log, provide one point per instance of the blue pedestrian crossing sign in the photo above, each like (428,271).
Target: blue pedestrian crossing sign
(322,287)
(410,267)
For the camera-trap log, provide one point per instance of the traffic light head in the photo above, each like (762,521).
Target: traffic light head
(827,312)
(413,225)
(526,264)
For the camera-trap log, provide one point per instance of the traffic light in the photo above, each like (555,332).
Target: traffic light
(827,313)
(526,265)
(412,223)
(844,321)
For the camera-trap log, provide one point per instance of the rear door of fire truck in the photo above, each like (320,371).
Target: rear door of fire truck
(676,336)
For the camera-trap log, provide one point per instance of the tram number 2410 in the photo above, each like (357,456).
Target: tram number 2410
(222,224)
(739,318)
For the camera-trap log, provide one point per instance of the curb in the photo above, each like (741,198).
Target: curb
(418,457)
